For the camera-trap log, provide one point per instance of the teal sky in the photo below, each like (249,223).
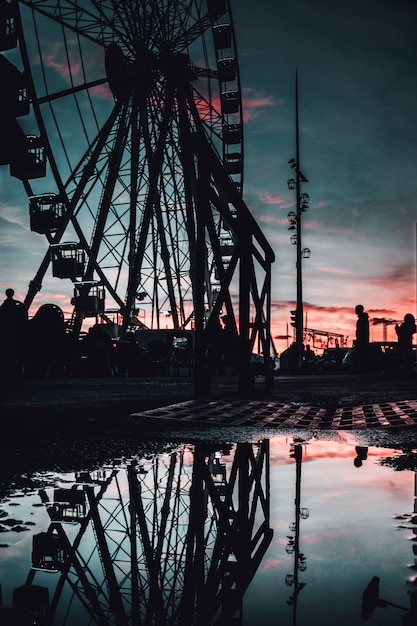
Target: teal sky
(357,103)
(356,63)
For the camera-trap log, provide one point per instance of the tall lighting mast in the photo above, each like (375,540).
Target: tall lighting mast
(302,200)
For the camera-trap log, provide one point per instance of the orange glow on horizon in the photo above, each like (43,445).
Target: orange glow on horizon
(340,320)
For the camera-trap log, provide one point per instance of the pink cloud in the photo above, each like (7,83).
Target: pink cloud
(57,60)
(269,219)
(274,199)
(330,535)
(61,67)
(328,229)
(102,91)
(272,564)
(401,273)
(216,104)
(253,103)
(336,270)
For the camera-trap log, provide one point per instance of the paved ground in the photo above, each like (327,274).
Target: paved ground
(232,412)
(294,402)
(59,425)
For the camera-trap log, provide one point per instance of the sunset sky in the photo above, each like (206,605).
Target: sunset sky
(357,105)
(356,63)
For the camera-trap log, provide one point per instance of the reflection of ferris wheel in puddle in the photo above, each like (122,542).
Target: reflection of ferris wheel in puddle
(137,105)
(174,540)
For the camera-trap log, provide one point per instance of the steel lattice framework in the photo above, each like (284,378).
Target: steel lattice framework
(135,174)
(175,539)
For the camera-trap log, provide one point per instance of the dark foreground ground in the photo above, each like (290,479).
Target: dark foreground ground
(66,402)
(80,423)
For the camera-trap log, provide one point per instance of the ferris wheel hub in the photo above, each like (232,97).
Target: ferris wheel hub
(124,74)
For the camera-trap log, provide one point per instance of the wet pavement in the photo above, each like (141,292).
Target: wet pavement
(310,401)
(280,530)
(359,526)
(282,415)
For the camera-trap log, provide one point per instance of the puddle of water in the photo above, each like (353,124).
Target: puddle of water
(277,531)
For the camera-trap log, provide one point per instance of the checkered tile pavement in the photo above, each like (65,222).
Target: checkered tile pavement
(279,415)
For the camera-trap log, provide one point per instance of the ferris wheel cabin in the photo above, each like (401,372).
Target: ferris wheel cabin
(68,260)
(88,299)
(46,213)
(232,133)
(222,36)
(8,35)
(48,552)
(216,7)
(24,154)
(32,163)
(15,99)
(227,69)
(33,599)
(69,505)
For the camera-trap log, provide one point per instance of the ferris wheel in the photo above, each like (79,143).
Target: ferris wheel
(174,539)
(122,95)
(124,123)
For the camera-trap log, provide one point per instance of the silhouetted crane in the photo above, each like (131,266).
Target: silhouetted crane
(386,322)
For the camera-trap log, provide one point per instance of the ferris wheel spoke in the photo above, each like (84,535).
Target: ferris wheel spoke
(89,166)
(71,90)
(155,169)
(165,257)
(97,27)
(109,186)
(174,198)
(78,193)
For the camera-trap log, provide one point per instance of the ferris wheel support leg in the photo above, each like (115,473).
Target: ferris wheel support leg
(36,284)
(202,383)
(246,377)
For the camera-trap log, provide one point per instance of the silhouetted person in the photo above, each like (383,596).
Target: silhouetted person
(97,346)
(362,339)
(47,344)
(410,619)
(215,360)
(12,310)
(405,333)
(292,356)
(338,356)
(230,346)
(130,358)
(361,455)
(309,354)
(13,335)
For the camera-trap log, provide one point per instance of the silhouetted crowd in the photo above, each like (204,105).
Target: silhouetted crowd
(42,347)
(363,357)
(402,359)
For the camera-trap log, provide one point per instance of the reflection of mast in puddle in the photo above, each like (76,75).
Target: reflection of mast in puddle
(171,540)
(293,546)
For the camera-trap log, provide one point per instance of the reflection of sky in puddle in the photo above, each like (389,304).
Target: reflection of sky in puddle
(357,525)
(350,536)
